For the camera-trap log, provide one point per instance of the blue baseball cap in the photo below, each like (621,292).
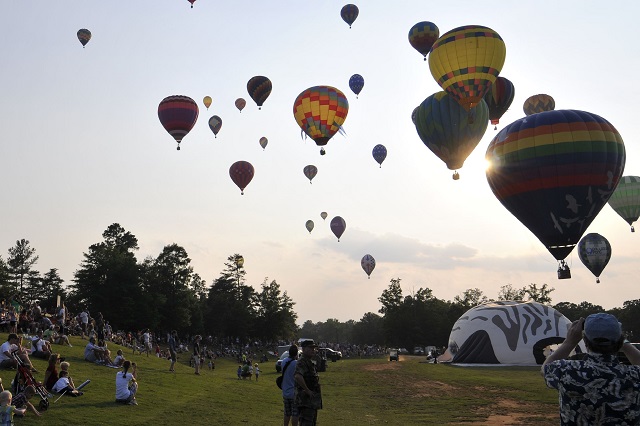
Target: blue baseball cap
(602,329)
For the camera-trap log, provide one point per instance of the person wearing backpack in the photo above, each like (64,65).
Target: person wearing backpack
(288,387)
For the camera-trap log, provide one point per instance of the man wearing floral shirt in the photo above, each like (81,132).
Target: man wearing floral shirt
(596,390)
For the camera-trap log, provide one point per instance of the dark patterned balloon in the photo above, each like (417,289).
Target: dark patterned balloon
(84,35)
(422,36)
(241,173)
(356,83)
(379,153)
(349,13)
(178,114)
(259,88)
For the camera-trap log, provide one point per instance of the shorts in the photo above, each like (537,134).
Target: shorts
(196,360)
(91,357)
(290,408)
(307,416)
(6,363)
(174,356)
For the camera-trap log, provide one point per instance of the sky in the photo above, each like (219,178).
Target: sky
(82,146)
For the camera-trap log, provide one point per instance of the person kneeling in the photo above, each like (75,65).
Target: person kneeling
(65,385)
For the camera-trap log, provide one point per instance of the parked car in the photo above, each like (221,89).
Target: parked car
(393,355)
(403,351)
(418,350)
(280,360)
(331,354)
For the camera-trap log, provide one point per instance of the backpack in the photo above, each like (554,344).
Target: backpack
(279,378)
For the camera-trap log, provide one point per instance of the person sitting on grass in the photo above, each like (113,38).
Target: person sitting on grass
(21,400)
(65,385)
(7,410)
(94,353)
(40,348)
(53,336)
(126,384)
(14,344)
(51,374)
(119,359)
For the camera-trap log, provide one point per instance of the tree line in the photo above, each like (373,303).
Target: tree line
(164,293)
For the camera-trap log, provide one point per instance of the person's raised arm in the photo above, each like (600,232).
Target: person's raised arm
(574,335)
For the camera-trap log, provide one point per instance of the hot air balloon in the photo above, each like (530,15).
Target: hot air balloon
(263,142)
(349,13)
(538,103)
(625,200)
(338,225)
(309,225)
(450,131)
(323,215)
(499,98)
(594,251)
(241,173)
(379,153)
(84,35)
(207,101)
(310,172)
(215,124)
(191,1)
(414,114)
(320,112)
(240,103)
(178,114)
(368,264)
(466,61)
(356,83)
(259,88)
(554,171)
(422,36)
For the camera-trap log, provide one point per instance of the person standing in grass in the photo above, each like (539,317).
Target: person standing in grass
(288,387)
(7,410)
(173,353)
(308,396)
(196,353)
(126,384)
(597,389)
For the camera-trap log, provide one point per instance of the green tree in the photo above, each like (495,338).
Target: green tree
(508,292)
(108,279)
(391,297)
(541,295)
(51,288)
(6,287)
(276,319)
(21,260)
(369,330)
(471,297)
(575,311)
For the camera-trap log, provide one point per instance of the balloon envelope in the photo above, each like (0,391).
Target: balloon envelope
(554,171)
(207,101)
(178,114)
(323,215)
(338,225)
(259,88)
(625,200)
(241,173)
(191,1)
(310,172)
(466,61)
(320,112)
(263,142)
(449,130)
(368,264)
(356,83)
(349,13)
(309,225)
(422,36)
(379,153)
(84,35)
(538,103)
(499,98)
(240,104)
(215,124)
(594,251)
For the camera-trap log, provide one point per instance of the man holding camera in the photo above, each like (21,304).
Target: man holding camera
(597,389)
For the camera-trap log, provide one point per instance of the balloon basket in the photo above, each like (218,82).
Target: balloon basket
(564,272)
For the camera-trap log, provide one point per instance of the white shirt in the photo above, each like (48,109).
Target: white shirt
(61,384)
(84,317)
(7,347)
(122,385)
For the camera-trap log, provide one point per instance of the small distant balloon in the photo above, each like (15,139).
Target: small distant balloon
(191,1)
(215,124)
(356,83)
(422,36)
(323,215)
(538,103)
(310,172)
(241,173)
(84,35)
(309,225)
(338,226)
(349,13)
(207,101)
(595,252)
(240,104)
(625,200)
(259,88)
(263,142)
(379,153)
(368,264)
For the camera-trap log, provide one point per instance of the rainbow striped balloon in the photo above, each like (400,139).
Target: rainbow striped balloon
(554,171)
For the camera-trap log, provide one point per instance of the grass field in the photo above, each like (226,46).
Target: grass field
(355,392)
